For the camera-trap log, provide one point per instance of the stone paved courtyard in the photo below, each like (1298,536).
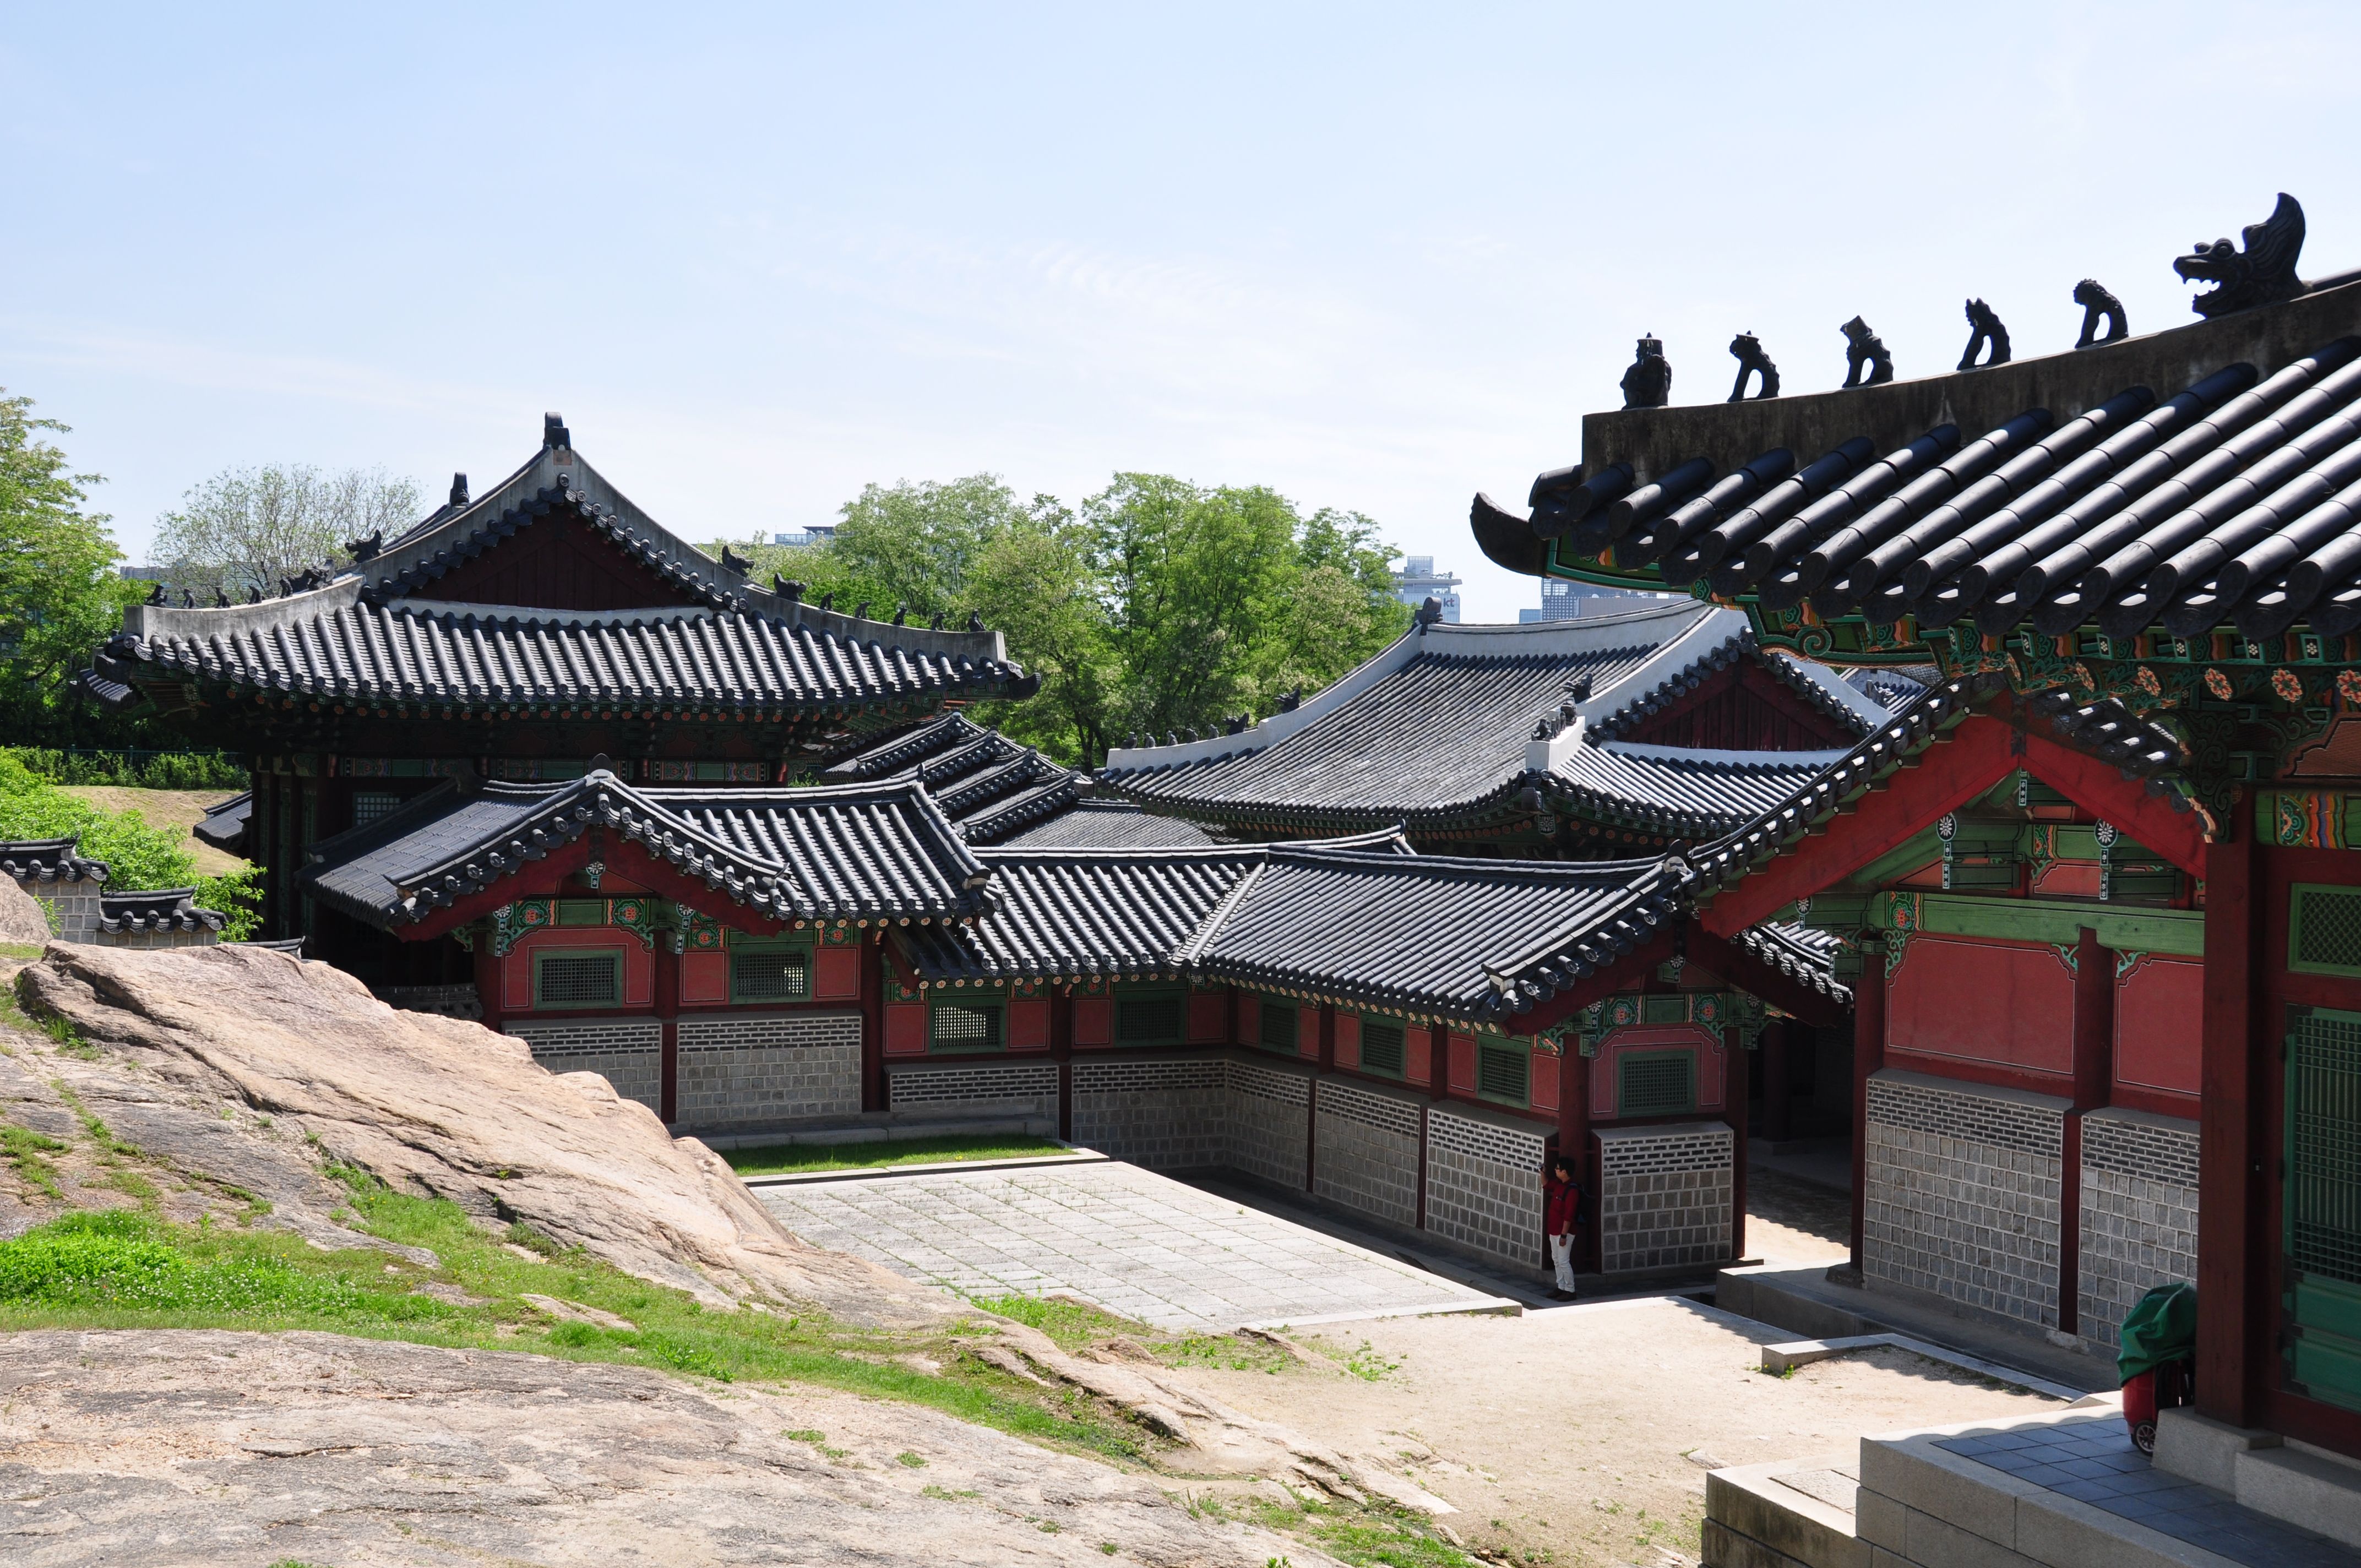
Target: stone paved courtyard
(1126,1239)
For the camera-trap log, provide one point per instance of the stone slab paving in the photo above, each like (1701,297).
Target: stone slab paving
(1122,1239)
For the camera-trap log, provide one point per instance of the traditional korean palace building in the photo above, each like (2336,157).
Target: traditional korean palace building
(2097,888)
(539,761)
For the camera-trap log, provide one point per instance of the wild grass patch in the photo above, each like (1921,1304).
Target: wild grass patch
(789,1159)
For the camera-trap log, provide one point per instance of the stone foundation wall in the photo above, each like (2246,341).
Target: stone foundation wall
(1961,1192)
(1166,1115)
(1664,1195)
(627,1052)
(2139,1213)
(1270,1123)
(142,941)
(1365,1151)
(988,1089)
(747,1068)
(1484,1185)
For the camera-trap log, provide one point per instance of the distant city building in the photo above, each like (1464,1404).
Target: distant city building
(1562,600)
(818,534)
(148,574)
(1418,581)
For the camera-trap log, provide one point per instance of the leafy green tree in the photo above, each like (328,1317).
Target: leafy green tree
(60,594)
(247,528)
(1155,607)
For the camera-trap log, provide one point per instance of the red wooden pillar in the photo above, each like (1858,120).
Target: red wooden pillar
(1867,1056)
(2233,1244)
(1062,1051)
(1778,1088)
(1327,1064)
(488,979)
(1733,1101)
(2094,1072)
(667,1009)
(1574,1143)
(873,1020)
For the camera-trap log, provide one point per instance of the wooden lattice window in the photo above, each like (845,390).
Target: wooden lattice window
(1503,1071)
(966,1026)
(1279,1023)
(572,977)
(2324,1204)
(2324,929)
(1154,1020)
(1655,1083)
(1382,1046)
(769,974)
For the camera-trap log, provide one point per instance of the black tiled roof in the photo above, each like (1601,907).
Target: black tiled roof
(50,860)
(2229,495)
(1358,920)
(866,851)
(996,790)
(1443,725)
(375,633)
(169,909)
(1109,825)
(223,826)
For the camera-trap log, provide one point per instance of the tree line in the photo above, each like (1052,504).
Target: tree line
(1156,608)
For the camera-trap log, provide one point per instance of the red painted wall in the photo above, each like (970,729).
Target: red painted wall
(1712,1060)
(836,975)
(1418,1055)
(704,978)
(1463,1063)
(1540,1083)
(905,1028)
(2008,1005)
(556,563)
(1094,1020)
(1743,709)
(639,965)
(2160,1015)
(1208,1017)
(1029,1024)
(1307,1033)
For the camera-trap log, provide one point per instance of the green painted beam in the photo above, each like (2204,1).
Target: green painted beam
(2179,931)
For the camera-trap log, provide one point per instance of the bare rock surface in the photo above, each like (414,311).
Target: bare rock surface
(449,1109)
(22,919)
(136,1448)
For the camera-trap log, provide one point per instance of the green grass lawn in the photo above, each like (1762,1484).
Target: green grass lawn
(130,1268)
(789,1159)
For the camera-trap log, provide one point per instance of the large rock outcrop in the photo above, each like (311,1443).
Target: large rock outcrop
(447,1108)
(146,1448)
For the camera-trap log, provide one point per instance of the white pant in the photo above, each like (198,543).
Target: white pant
(1562,1253)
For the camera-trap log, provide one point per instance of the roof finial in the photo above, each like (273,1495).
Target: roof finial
(459,489)
(554,432)
(1430,612)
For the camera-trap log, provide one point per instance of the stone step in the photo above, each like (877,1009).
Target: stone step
(2309,1490)
(1792,1513)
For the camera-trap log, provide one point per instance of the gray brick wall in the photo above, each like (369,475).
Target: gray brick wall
(1484,1185)
(1167,1116)
(627,1052)
(2139,1213)
(741,1069)
(1960,1194)
(71,906)
(1365,1151)
(1025,1089)
(1664,1195)
(1270,1123)
(148,941)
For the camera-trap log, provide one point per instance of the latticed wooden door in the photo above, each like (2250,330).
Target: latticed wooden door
(2323,1204)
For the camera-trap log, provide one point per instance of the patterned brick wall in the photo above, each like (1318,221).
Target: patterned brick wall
(1028,1088)
(71,906)
(2139,1213)
(144,941)
(739,1070)
(1366,1151)
(1270,1123)
(1664,1195)
(1960,1194)
(1484,1185)
(1167,1116)
(462,1001)
(628,1052)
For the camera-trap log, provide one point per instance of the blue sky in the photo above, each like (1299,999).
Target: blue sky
(1376,258)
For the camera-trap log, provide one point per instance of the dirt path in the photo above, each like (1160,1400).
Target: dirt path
(1581,1434)
(1794,1221)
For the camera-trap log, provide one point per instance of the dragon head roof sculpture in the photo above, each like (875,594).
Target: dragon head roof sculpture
(2261,273)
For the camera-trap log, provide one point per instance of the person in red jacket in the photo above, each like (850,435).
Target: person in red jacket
(1561,1214)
